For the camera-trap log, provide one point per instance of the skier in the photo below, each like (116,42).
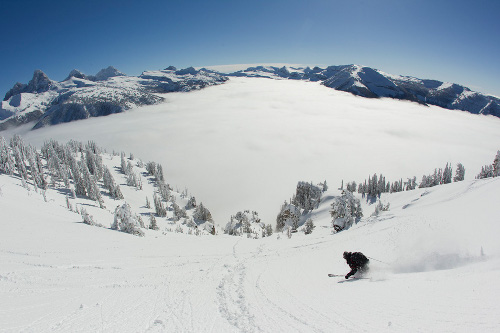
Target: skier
(356,260)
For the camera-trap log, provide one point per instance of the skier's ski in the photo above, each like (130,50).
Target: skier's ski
(351,277)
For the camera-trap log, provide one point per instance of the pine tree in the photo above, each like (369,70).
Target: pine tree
(161,211)
(110,185)
(7,164)
(447,174)
(269,230)
(202,214)
(191,203)
(152,222)
(245,225)
(87,218)
(20,165)
(496,165)
(309,226)
(91,186)
(68,204)
(346,209)
(178,211)
(307,195)
(76,174)
(125,221)
(459,173)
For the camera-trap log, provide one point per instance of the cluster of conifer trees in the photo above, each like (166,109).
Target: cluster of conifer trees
(79,169)
(491,170)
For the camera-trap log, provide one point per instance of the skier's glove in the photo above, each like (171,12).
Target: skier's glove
(347,276)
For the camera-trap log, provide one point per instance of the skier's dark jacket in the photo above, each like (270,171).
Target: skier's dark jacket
(355,260)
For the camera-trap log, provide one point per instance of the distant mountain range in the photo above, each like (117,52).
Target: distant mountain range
(372,83)
(79,96)
(47,102)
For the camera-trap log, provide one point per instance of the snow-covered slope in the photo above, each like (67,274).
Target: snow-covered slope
(369,82)
(434,267)
(47,102)
(245,144)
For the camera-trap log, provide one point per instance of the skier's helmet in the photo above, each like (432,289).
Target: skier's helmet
(346,254)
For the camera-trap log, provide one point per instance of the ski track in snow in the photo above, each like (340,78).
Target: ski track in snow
(233,304)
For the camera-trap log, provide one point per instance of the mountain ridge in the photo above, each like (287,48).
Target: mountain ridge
(372,83)
(80,96)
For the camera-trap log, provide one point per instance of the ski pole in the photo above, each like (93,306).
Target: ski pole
(377,260)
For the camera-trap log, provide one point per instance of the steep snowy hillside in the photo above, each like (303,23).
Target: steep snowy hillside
(47,102)
(434,266)
(245,144)
(369,82)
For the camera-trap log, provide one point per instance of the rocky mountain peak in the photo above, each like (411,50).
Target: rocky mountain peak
(39,83)
(106,73)
(76,74)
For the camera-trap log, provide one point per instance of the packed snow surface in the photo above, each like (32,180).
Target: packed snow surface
(246,144)
(435,267)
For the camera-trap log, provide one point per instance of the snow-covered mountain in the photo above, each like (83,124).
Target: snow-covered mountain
(79,96)
(372,83)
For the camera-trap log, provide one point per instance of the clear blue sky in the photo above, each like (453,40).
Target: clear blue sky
(457,41)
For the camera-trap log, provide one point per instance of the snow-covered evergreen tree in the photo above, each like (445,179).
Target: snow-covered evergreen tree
(87,218)
(20,164)
(202,214)
(346,210)
(289,215)
(309,226)
(91,186)
(68,204)
(178,211)
(307,195)
(351,187)
(110,185)
(76,174)
(152,222)
(125,221)
(191,203)
(379,207)
(164,190)
(486,172)
(93,159)
(161,211)
(447,174)
(496,165)
(411,184)
(123,163)
(459,173)
(269,230)
(7,163)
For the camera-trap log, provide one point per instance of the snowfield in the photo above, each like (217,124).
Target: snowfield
(440,270)
(435,255)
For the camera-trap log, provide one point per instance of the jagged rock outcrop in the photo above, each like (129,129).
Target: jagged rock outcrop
(38,84)
(107,73)
(75,73)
